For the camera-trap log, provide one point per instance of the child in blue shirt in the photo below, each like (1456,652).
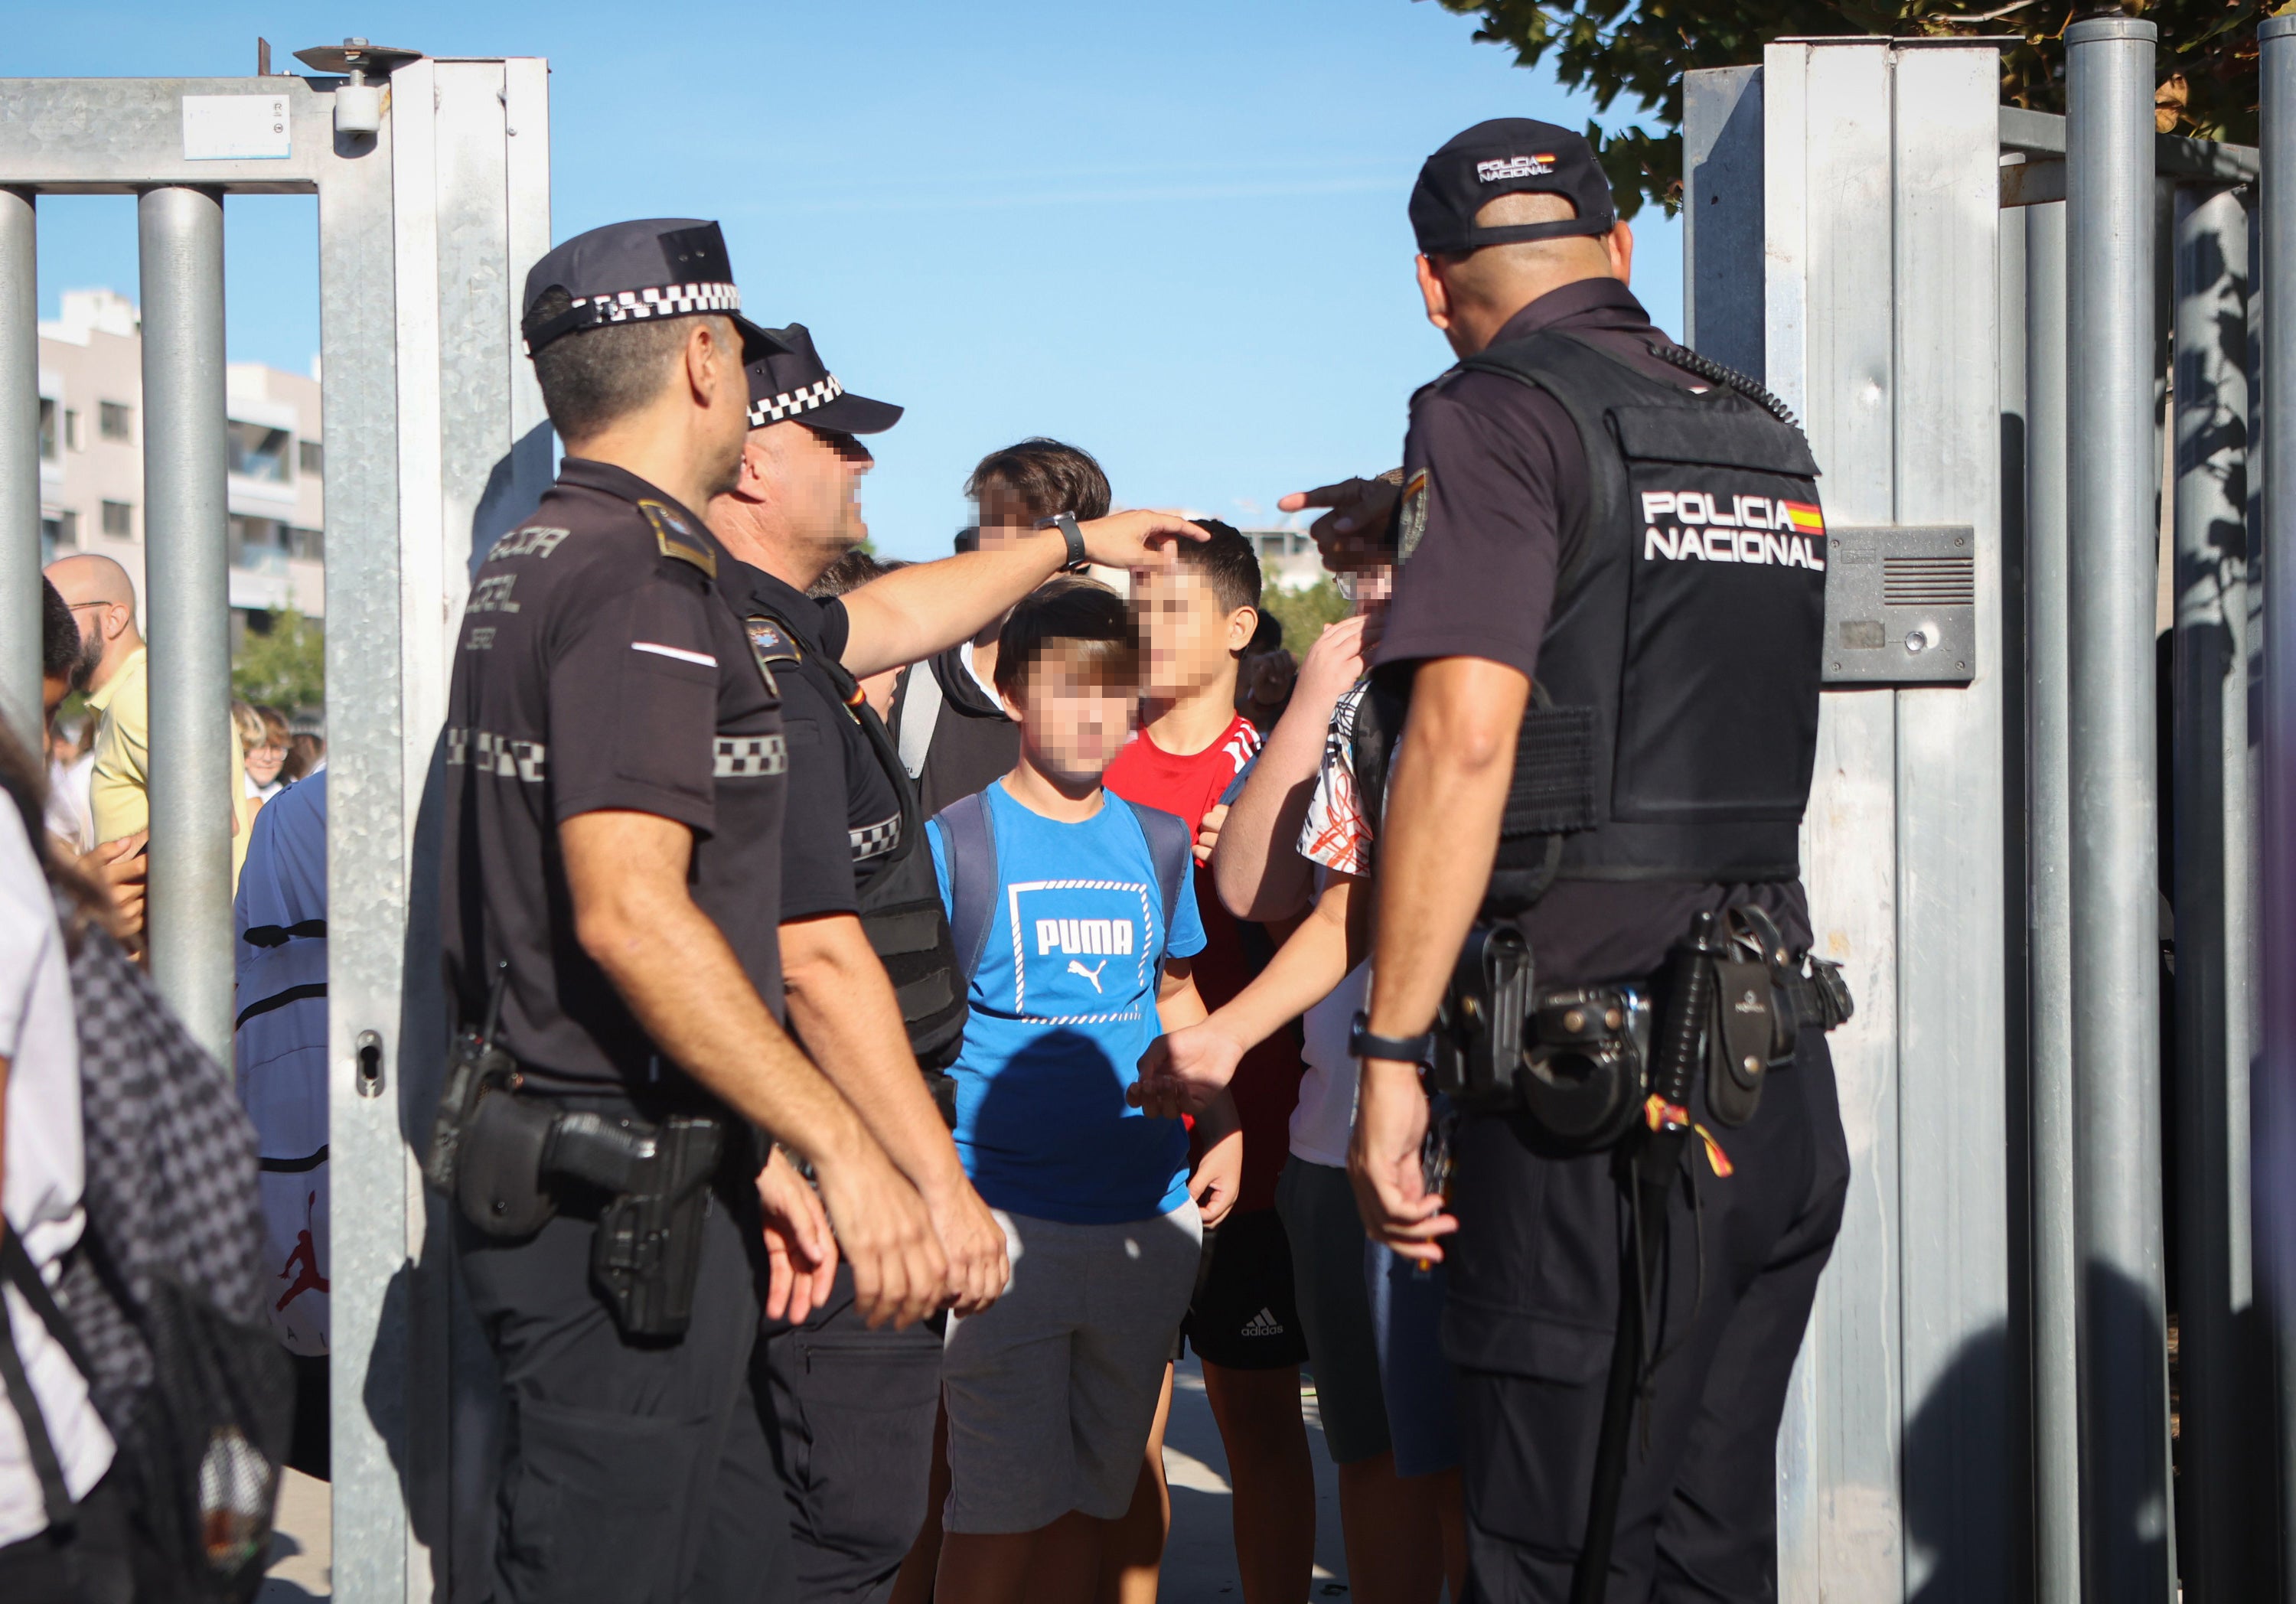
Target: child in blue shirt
(1051,1392)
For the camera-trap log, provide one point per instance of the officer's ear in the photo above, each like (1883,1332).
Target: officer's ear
(1435,292)
(1619,245)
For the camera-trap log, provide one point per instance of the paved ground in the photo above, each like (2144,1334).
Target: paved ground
(1199,1564)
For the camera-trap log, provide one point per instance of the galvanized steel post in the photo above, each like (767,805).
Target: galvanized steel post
(187,607)
(2211,822)
(2276,1146)
(2056,1259)
(2115,896)
(20,469)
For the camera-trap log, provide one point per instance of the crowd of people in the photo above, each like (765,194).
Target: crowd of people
(904,1007)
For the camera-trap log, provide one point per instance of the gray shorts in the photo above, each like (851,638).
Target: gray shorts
(1051,1390)
(1318,1207)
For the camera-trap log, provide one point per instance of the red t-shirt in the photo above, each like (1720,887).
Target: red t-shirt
(1267,1083)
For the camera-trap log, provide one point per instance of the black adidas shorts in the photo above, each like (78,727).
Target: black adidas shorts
(1242,1315)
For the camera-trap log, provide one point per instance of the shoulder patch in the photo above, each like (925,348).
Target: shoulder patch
(771,642)
(1411,517)
(672,538)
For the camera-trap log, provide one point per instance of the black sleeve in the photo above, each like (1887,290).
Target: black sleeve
(836,627)
(816,855)
(636,664)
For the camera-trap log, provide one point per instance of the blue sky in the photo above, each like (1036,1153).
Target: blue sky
(1173,233)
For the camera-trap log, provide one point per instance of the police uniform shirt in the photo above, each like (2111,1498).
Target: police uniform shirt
(843,812)
(1496,483)
(599,668)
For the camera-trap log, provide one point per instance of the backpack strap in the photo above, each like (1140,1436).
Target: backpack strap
(971,837)
(17,1271)
(1169,846)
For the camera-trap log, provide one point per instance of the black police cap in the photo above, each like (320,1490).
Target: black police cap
(1507,156)
(631,272)
(791,384)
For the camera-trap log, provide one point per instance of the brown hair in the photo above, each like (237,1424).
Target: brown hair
(1084,621)
(591,378)
(83,902)
(1048,477)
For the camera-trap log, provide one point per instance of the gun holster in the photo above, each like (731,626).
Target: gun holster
(510,1161)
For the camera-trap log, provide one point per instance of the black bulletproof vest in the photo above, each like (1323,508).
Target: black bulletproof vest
(1673,719)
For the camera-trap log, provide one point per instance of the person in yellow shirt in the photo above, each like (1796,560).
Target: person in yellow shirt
(102,601)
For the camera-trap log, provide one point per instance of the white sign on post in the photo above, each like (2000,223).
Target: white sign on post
(235,127)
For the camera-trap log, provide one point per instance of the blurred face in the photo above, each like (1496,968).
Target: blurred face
(811,479)
(1004,517)
(1193,641)
(877,691)
(1071,726)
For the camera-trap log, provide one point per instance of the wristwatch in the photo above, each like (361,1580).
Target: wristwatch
(1066,523)
(1401,1049)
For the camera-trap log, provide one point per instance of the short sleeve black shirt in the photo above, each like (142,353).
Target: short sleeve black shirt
(843,812)
(1506,486)
(598,668)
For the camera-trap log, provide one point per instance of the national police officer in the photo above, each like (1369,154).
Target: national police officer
(856,1406)
(616,767)
(1606,623)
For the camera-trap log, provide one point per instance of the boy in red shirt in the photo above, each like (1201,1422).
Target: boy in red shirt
(1197,619)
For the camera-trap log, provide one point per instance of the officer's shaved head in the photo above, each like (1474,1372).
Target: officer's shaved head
(90,577)
(1497,275)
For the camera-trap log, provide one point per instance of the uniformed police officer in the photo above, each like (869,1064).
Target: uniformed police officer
(854,1406)
(1586,507)
(612,889)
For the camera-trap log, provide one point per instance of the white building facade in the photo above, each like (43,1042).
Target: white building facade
(92,460)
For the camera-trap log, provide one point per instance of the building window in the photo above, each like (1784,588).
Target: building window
(312,459)
(120,520)
(259,452)
(59,536)
(47,431)
(112,420)
(75,437)
(310,544)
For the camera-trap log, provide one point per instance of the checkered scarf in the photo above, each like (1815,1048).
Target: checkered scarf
(171,1175)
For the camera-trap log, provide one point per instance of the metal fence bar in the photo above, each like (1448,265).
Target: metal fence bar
(187,607)
(2210,817)
(2275,1147)
(2114,892)
(19,468)
(2048,846)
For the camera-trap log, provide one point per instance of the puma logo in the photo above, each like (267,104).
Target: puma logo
(1092,974)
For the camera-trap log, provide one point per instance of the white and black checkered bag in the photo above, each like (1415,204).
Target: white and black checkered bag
(165,1290)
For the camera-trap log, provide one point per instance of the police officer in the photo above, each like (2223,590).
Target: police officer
(1588,509)
(856,1406)
(612,884)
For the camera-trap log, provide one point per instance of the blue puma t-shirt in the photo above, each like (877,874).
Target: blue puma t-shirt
(1064,1006)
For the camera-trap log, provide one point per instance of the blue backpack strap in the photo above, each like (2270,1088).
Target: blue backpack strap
(1169,846)
(970,836)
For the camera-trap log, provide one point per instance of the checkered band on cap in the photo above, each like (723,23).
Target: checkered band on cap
(789,403)
(636,306)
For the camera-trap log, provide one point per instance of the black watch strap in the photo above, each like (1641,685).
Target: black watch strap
(1402,1050)
(1066,523)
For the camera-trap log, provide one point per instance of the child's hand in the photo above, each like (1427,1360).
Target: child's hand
(1332,665)
(1207,832)
(800,1250)
(1217,1178)
(1181,1072)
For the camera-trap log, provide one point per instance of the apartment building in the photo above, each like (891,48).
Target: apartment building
(92,460)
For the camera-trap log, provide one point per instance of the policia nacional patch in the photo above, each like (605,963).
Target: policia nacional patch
(1411,517)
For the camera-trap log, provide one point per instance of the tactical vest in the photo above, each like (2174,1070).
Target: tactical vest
(900,907)
(1673,721)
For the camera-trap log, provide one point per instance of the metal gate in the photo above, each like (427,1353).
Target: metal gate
(434,199)
(1975,309)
